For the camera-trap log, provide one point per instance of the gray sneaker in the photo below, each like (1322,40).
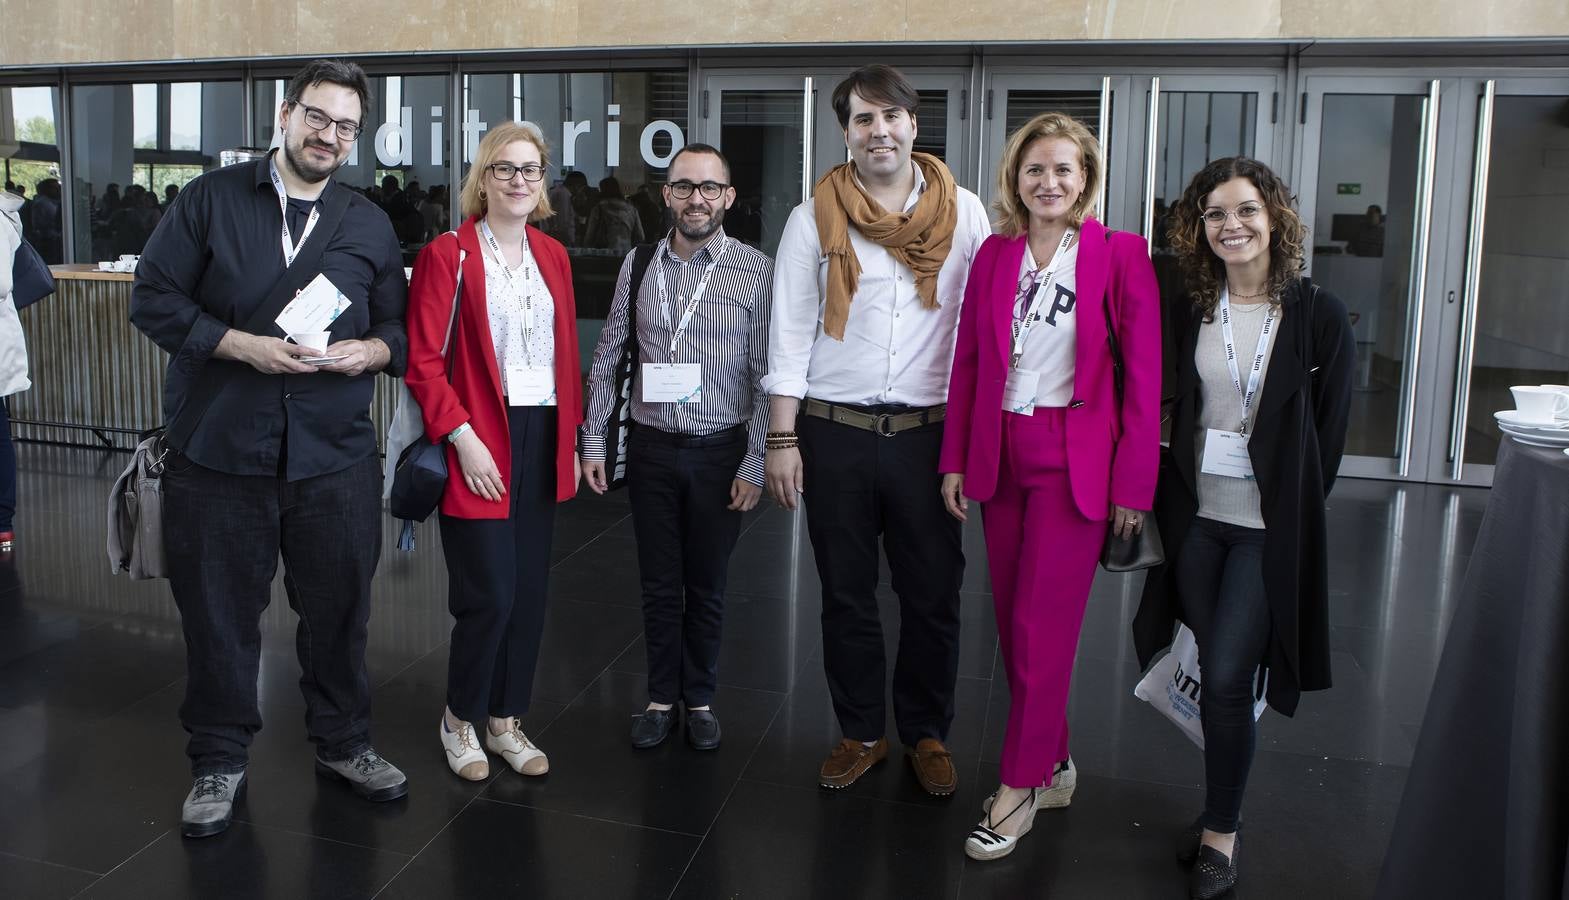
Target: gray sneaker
(210,804)
(371,776)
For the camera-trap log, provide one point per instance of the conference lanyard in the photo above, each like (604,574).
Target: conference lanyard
(697,295)
(528,295)
(290,249)
(1231,356)
(1033,296)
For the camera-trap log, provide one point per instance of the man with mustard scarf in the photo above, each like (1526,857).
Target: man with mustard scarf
(868,283)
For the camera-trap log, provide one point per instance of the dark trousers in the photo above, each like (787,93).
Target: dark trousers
(1220,579)
(7,467)
(497,571)
(222,537)
(859,486)
(679,489)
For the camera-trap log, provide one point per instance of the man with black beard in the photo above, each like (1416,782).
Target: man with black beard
(271,447)
(695,456)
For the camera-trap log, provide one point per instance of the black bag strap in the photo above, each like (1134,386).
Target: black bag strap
(306,266)
(642,256)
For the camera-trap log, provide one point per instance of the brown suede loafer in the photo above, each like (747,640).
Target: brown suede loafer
(849,761)
(933,766)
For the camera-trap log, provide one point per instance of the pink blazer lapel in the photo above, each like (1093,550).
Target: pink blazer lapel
(1003,288)
(1094,264)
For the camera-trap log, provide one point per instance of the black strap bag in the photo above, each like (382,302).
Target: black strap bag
(420,477)
(31,280)
(620,427)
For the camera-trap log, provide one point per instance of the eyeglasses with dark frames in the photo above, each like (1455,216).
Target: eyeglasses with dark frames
(317,120)
(710,190)
(507,171)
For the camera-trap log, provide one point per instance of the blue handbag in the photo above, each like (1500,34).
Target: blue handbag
(31,280)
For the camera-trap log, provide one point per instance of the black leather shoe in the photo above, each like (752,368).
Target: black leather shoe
(702,729)
(1213,874)
(651,726)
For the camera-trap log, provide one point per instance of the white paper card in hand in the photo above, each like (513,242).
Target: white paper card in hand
(672,383)
(530,386)
(1018,395)
(314,308)
(1226,453)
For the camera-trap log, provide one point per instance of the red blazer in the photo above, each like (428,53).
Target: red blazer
(474,395)
(1112,454)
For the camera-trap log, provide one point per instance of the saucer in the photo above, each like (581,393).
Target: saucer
(1541,441)
(1510,418)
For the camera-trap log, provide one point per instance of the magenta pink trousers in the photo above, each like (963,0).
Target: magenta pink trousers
(1043,553)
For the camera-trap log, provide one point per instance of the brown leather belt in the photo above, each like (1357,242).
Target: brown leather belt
(885,424)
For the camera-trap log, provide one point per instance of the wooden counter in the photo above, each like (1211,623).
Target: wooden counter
(88,272)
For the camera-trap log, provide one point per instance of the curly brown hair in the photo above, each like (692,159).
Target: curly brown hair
(1202,270)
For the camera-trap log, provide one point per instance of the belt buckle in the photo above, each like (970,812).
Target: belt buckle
(883,425)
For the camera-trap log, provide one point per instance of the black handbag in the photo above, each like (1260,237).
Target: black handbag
(619,430)
(1143,550)
(31,280)
(421,474)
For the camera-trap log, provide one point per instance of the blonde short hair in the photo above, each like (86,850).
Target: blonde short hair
(472,199)
(1013,218)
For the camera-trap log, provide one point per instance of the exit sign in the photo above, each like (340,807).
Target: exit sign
(1348,187)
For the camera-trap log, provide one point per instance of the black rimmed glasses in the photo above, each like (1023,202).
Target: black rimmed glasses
(507,171)
(1215,217)
(710,190)
(316,120)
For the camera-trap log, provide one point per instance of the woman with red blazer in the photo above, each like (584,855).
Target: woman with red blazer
(1035,433)
(509,413)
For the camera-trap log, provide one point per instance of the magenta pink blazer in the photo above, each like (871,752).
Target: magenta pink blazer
(1112,454)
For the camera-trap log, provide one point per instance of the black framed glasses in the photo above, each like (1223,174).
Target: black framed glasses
(507,171)
(1215,217)
(316,120)
(711,190)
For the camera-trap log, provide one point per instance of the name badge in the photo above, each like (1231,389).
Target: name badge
(1018,395)
(1226,454)
(672,383)
(530,386)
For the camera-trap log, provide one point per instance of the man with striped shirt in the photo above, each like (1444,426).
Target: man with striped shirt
(695,457)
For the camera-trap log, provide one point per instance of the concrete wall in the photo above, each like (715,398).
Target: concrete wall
(46,32)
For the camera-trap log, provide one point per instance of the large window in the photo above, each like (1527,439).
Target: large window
(30,153)
(134,146)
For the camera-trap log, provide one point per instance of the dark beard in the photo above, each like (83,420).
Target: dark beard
(309,174)
(716,219)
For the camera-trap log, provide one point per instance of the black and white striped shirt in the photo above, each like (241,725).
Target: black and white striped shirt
(728,336)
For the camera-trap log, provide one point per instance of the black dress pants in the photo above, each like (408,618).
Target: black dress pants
(222,537)
(679,489)
(497,572)
(859,486)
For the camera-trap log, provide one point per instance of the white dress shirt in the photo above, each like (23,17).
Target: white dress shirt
(894,350)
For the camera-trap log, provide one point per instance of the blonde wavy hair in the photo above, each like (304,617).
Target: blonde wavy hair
(472,198)
(1202,270)
(1013,217)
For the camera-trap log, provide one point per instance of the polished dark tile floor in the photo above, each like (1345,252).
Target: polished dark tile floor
(92,770)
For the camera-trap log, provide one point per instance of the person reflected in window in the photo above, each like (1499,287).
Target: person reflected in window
(433,211)
(44,217)
(1369,239)
(170,192)
(508,409)
(614,223)
(1038,434)
(1262,393)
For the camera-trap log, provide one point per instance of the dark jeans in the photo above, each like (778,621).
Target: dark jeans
(7,467)
(497,572)
(860,485)
(222,535)
(679,489)
(1220,579)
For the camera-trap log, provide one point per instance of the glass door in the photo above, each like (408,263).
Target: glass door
(1511,324)
(1367,188)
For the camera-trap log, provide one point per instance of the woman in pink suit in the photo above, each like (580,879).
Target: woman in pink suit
(1035,434)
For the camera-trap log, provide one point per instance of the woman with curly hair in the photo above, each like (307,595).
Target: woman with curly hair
(1264,362)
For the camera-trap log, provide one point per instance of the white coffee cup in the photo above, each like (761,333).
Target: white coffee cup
(315,340)
(1562,389)
(1540,404)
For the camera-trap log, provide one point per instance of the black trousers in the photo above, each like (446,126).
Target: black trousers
(859,486)
(497,571)
(679,489)
(1220,580)
(222,537)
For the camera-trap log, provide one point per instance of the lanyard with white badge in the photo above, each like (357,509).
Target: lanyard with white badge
(674,382)
(290,248)
(1226,452)
(1023,384)
(527,384)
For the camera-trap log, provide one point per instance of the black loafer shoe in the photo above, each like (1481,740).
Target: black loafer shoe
(702,729)
(651,726)
(1213,874)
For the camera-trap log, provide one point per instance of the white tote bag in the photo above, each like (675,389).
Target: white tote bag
(1174,687)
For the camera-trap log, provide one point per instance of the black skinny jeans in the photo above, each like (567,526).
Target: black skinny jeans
(1220,579)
